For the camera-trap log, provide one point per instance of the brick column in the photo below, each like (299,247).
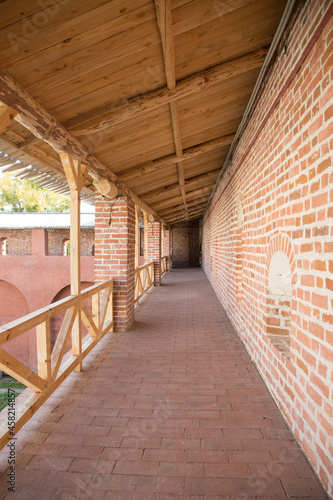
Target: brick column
(114,254)
(154,249)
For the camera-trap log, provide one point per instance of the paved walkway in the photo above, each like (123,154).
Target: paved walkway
(172,409)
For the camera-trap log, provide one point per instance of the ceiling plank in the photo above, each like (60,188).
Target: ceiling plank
(42,124)
(164,21)
(165,161)
(97,120)
(190,184)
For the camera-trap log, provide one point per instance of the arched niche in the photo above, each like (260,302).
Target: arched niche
(13,305)
(279,300)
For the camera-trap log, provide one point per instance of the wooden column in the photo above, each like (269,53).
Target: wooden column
(75,174)
(137,236)
(145,220)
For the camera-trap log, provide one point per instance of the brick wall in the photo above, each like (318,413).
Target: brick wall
(185,244)
(154,249)
(276,199)
(19,241)
(115,254)
(56,238)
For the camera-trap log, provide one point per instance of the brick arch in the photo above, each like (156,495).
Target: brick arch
(14,305)
(281,241)
(280,277)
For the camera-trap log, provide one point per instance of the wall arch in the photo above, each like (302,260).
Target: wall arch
(13,305)
(281,276)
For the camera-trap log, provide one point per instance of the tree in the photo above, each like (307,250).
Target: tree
(18,195)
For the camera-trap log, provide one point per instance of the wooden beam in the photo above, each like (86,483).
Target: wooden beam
(43,125)
(190,183)
(7,115)
(164,22)
(99,120)
(167,213)
(175,199)
(185,219)
(166,161)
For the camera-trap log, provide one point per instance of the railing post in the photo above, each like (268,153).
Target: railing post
(44,350)
(75,174)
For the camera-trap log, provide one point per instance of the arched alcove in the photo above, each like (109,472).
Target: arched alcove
(3,246)
(279,298)
(13,305)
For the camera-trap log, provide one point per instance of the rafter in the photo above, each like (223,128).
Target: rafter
(164,21)
(7,115)
(100,118)
(189,196)
(166,161)
(43,125)
(191,183)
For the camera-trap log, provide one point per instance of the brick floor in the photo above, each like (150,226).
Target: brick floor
(172,409)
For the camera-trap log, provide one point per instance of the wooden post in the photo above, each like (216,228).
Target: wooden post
(137,236)
(162,240)
(145,220)
(44,350)
(75,175)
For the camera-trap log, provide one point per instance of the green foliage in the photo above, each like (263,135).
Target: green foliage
(18,195)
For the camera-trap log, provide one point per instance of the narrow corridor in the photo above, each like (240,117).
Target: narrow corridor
(172,409)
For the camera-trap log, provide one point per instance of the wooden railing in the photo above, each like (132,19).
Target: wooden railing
(163,265)
(144,279)
(54,365)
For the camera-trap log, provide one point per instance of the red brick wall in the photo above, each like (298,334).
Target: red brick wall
(115,254)
(185,244)
(19,241)
(56,238)
(277,196)
(154,249)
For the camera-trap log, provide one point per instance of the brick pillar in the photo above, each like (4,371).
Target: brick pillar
(114,254)
(154,249)
(39,242)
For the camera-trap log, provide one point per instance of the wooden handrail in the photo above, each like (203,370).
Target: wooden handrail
(54,365)
(144,280)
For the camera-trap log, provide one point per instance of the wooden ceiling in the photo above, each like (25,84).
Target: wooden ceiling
(154,90)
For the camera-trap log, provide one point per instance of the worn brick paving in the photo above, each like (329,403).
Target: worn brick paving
(172,409)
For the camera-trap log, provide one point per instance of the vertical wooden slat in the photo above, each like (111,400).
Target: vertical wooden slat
(145,220)
(96,313)
(44,350)
(109,309)
(137,235)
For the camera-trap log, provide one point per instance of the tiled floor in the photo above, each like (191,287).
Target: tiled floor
(172,409)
